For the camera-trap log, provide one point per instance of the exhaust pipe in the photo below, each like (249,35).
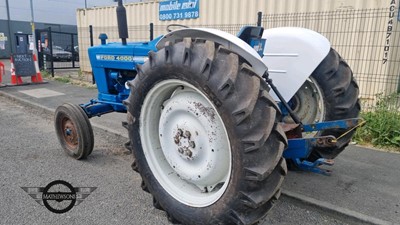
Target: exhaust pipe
(122,22)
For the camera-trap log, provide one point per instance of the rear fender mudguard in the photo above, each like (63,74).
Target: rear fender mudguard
(229,41)
(291,55)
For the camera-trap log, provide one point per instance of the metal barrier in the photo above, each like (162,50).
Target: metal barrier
(368,39)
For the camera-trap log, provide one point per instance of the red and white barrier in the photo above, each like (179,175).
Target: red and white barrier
(15,80)
(38,77)
(2,72)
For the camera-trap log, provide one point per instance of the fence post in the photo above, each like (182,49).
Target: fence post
(259,17)
(73,51)
(39,48)
(50,43)
(91,44)
(91,35)
(151,31)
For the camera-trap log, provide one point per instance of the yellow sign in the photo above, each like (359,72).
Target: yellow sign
(2,37)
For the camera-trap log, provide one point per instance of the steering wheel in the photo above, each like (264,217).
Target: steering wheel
(175,25)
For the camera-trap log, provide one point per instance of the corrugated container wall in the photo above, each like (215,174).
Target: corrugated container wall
(350,25)
(215,13)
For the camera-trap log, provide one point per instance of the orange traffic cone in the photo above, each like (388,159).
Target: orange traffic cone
(38,77)
(2,71)
(15,80)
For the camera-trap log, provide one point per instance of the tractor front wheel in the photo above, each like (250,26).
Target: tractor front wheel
(205,135)
(74,130)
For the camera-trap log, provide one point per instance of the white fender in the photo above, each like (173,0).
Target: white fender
(230,41)
(291,55)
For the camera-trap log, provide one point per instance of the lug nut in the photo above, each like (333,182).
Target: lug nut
(187,134)
(188,153)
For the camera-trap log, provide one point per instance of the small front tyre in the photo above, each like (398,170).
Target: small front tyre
(74,130)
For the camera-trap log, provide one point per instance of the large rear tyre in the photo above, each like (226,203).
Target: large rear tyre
(205,135)
(74,130)
(331,93)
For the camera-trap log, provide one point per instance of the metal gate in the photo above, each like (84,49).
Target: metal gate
(57,50)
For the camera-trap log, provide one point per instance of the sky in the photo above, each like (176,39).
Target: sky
(50,11)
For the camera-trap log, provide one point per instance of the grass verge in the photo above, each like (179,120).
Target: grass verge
(70,79)
(382,129)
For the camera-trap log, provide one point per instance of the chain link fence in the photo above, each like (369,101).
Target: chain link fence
(367,39)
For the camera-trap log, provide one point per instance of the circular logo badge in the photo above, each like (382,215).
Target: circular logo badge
(59,196)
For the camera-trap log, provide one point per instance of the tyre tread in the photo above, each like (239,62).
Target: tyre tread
(240,94)
(340,91)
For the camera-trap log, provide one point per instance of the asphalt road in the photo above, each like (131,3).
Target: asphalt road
(32,157)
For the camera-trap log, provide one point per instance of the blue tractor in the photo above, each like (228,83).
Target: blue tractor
(214,120)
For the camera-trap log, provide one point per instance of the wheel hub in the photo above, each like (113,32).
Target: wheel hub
(70,135)
(185,144)
(307,103)
(192,157)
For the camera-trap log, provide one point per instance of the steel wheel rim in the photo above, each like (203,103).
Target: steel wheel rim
(70,134)
(185,143)
(308,97)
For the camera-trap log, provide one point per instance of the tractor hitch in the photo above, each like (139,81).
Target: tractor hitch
(299,148)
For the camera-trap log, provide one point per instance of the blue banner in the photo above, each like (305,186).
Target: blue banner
(179,9)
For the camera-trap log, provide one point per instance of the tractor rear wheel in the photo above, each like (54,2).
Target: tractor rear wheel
(331,93)
(205,135)
(74,130)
